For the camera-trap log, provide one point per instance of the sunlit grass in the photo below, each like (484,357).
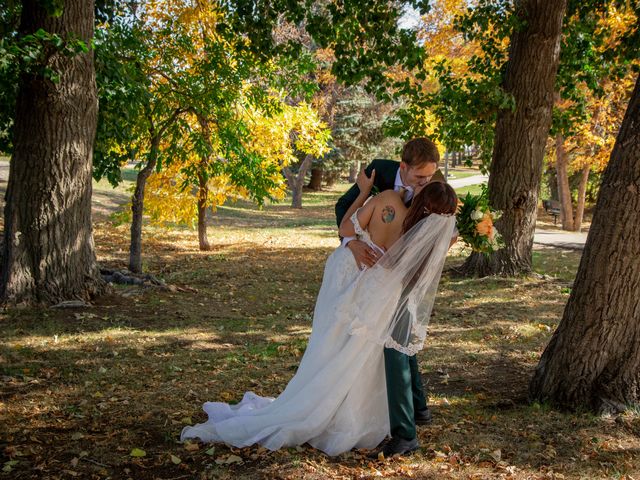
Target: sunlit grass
(134,369)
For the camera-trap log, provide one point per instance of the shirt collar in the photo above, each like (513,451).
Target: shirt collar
(398,183)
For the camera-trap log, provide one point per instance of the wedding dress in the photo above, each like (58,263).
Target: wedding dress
(337,399)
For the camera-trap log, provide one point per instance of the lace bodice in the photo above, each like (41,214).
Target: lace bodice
(363,234)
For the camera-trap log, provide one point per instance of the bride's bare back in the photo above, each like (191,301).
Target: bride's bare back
(383,216)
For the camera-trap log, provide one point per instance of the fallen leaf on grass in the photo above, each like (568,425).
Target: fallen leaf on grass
(191,447)
(228,460)
(210,451)
(8,466)
(138,452)
(175,460)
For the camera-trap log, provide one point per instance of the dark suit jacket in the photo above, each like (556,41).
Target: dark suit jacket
(386,171)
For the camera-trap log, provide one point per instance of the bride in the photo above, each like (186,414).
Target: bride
(337,399)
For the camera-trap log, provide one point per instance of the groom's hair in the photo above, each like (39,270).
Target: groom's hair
(419,151)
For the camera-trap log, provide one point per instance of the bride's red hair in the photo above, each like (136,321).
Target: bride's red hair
(435,197)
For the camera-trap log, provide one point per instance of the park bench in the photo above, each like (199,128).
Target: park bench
(552,207)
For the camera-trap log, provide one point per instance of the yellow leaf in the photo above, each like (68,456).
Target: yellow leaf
(138,452)
(191,447)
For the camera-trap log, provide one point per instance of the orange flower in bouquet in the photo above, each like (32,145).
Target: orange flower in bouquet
(485,226)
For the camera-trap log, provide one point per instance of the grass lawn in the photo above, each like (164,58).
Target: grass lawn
(456,174)
(472,189)
(104,392)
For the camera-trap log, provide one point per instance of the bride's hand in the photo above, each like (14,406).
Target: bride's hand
(365,184)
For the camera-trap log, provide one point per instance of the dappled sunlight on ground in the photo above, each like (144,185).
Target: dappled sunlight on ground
(81,389)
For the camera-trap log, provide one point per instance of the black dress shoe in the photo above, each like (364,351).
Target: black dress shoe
(395,446)
(423,417)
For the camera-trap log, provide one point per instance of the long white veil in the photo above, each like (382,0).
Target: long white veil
(391,302)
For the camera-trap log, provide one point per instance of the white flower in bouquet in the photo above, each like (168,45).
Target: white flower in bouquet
(477,215)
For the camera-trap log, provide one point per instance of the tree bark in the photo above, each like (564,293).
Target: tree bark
(296,181)
(315,183)
(593,358)
(137,201)
(564,189)
(330,178)
(582,198)
(353,171)
(520,135)
(48,252)
(137,207)
(203,192)
(203,188)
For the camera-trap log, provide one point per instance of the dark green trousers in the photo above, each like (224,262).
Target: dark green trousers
(404,392)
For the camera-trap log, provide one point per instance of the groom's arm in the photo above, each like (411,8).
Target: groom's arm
(346,200)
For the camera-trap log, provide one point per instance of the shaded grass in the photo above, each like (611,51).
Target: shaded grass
(81,389)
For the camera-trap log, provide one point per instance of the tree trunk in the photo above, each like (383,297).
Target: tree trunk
(520,135)
(582,198)
(296,181)
(564,189)
(354,168)
(203,188)
(48,252)
(203,192)
(137,201)
(137,207)
(316,179)
(330,178)
(593,358)
(552,179)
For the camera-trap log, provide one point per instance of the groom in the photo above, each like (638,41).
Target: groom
(405,396)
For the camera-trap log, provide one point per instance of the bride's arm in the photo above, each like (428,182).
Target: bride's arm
(347,229)
(364,184)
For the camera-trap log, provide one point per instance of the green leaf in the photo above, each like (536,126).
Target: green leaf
(137,452)
(8,466)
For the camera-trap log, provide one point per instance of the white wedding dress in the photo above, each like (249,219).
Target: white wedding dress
(337,399)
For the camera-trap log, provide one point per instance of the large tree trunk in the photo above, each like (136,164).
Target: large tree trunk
(296,181)
(203,193)
(315,183)
(520,138)
(582,198)
(48,252)
(137,207)
(593,358)
(564,189)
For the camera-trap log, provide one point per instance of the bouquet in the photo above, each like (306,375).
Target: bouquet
(474,220)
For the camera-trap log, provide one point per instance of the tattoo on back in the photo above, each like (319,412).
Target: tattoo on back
(388,214)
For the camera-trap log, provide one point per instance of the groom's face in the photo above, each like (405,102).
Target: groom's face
(419,175)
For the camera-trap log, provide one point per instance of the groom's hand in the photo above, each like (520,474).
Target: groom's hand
(365,256)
